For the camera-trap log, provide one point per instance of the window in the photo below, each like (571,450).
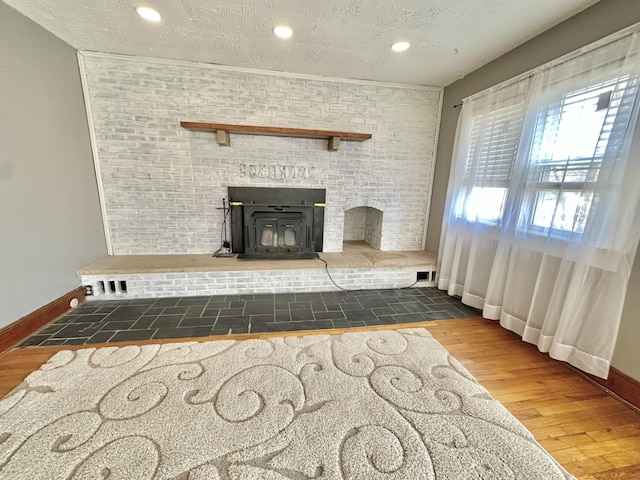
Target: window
(570,137)
(492,148)
(542,234)
(569,145)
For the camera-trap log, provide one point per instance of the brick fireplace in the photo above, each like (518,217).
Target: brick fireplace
(161,184)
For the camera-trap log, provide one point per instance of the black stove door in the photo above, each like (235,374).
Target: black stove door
(277,234)
(290,235)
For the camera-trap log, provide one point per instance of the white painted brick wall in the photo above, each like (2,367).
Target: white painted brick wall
(162,183)
(373,227)
(253,281)
(355,221)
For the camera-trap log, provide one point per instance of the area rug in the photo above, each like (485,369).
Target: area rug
(362,405)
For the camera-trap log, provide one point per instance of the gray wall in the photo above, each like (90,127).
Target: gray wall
(604,18)
(626,356)
(50,222)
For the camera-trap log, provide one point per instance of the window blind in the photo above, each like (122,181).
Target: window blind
(493,145)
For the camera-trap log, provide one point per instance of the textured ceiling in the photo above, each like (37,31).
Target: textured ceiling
(336,38)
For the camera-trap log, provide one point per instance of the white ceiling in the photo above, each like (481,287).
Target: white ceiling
(335,38)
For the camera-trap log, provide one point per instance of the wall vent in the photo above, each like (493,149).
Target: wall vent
(108,287)
(426,278)
(423,276)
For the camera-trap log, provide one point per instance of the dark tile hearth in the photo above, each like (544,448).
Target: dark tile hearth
(103,321)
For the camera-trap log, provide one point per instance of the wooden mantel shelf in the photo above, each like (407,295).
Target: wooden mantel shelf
(222,132)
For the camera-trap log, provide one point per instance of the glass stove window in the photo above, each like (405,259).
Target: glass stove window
(290,239)
(267,238)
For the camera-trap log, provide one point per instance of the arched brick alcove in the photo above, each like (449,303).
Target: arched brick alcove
(364,223)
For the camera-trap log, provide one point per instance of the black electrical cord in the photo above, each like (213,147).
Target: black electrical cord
(410,286)
(326,268)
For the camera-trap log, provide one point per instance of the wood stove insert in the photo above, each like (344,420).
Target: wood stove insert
(276,222)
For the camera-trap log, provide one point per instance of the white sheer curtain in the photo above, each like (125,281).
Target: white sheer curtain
(542,219)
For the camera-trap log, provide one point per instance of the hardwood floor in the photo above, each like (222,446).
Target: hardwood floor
(593,435)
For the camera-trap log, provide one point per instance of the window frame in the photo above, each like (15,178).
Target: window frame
(527,206)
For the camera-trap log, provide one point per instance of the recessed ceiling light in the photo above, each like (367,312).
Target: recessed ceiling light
(149,14)
(282,31)
(400,46)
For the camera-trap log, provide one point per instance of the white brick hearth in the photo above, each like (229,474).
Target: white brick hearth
(161,184)
(181,284)
(359,266)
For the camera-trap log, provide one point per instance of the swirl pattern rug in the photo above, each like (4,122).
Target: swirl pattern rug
(362,405)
